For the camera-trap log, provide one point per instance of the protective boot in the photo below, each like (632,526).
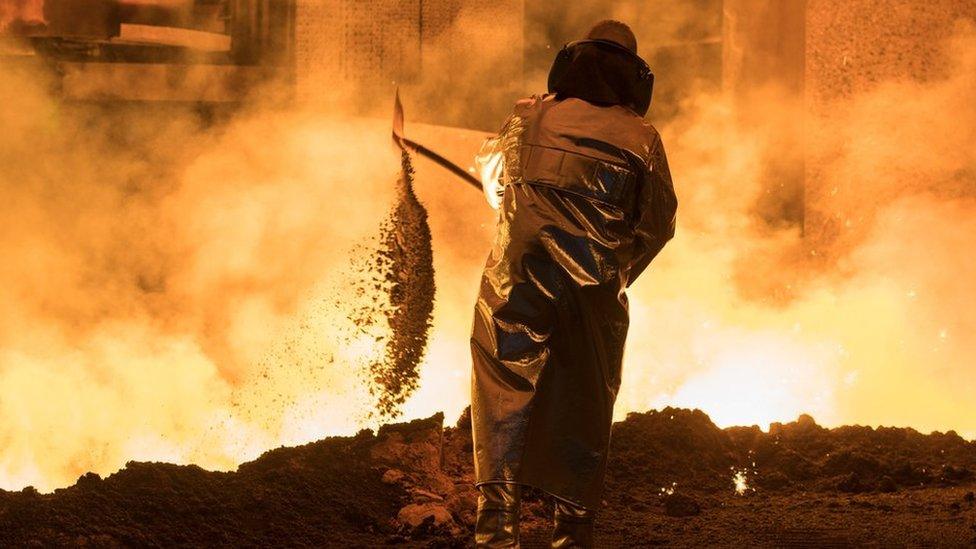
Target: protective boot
(573,526)
(498,515)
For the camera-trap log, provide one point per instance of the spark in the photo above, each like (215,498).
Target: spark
(741,482)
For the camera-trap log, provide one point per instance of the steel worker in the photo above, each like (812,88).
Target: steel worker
(585,203)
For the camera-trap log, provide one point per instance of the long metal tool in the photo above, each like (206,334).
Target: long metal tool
(401,141)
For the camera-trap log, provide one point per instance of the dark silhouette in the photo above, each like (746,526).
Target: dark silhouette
(586,202)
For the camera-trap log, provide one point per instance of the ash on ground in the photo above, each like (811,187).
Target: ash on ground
(399,275)
(673,479)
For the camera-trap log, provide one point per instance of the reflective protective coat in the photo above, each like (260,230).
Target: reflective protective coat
(586,203)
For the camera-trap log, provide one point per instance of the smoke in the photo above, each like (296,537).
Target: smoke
(173,290)
(20,10)
(866,319)
(863,320)
(178,290)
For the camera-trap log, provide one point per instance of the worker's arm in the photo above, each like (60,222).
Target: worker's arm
(491,166)
(656,209)
(498,160)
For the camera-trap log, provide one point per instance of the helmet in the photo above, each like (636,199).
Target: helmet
(604,69)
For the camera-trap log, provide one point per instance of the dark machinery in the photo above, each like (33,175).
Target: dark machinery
(180,51)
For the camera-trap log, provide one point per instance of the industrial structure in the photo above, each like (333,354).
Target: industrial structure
(462,62)
(224,51)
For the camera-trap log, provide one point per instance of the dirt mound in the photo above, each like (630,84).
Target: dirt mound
(342,491)
(854,458)
(411,484)
(321,493)
(683,447)
(661,450)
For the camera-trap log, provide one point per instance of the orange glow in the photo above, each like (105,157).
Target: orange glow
(186,297)
(24,10)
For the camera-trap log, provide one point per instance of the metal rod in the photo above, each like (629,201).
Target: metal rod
(443,162)
(403,143)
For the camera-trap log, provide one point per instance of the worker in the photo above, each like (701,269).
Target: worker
(585,202)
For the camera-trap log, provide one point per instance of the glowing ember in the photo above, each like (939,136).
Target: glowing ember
(741,482)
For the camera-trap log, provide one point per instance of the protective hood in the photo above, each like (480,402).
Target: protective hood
(602,72)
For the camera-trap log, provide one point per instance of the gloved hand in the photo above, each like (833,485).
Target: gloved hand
(490,163)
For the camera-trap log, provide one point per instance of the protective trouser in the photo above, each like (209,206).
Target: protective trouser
(573,526)
(497,524)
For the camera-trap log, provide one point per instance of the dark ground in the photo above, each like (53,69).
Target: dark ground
(409,484)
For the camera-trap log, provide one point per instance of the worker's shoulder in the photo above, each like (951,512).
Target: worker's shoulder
(627,116)
(525,105)
(636,126)
(650,130)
